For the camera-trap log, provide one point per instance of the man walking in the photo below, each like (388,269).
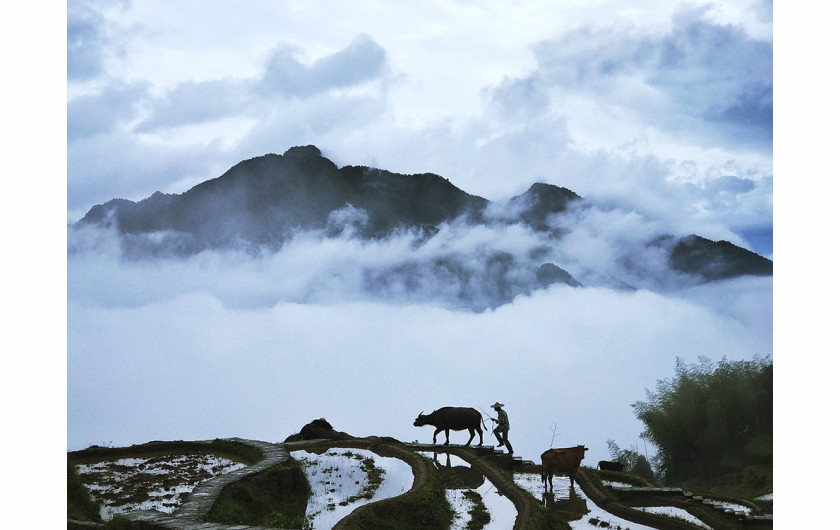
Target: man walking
(501,430)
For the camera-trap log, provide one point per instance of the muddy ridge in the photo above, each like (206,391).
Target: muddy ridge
(495,465)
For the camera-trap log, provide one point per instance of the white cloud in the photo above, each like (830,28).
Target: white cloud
(178,348)
(362,60)
(188,367)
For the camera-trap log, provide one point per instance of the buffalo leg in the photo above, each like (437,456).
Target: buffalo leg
(472,435)
(447,437)
(434,436)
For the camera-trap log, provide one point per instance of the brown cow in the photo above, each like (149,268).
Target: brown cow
(565,460)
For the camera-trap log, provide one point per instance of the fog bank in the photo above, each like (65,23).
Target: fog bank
(222,345)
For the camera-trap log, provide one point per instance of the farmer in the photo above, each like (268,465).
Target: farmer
(501,430)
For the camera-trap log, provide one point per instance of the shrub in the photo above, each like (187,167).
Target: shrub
(81,506)
(710,417)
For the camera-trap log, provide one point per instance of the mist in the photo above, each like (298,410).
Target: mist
(369,333)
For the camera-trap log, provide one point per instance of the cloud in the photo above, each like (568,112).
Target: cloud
(194,103)
(124,138)
(361,61)
(118,166)
(459,265)
(85,41)
(750,117)
(656,78)
(144,338)
(763,10)
(102,113)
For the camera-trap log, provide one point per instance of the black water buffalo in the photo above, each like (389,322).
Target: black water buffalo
(458,477)
(454,418)
(605,465)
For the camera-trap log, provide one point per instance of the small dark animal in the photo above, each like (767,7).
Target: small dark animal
(454,418)
(605,465)
(565,460)
(320,429)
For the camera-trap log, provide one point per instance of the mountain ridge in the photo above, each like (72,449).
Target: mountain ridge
(263,202)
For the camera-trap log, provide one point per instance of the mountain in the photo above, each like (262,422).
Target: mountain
(262,203)
(265,200)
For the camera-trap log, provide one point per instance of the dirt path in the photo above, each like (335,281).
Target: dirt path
(520,498)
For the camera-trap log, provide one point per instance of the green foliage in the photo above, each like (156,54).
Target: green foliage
(634,463)
(642,468)
(279,520)
(479,516)
(277,494)
(81,506)
(120,522)
(250,454)
(757,478)
(427,508)
(710,419)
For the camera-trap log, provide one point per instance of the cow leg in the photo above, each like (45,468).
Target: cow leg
(472,435)
(572,474)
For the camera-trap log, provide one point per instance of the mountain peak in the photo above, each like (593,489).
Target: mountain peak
(541,201)
(302,152)
(263,202)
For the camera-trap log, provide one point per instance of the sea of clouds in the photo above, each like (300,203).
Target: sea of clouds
(255,345)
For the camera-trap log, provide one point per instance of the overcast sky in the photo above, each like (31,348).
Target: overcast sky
(662,106)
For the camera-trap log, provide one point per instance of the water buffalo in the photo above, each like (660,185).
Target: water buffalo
(605,465)
(458,477)
(565,460)
(454,418)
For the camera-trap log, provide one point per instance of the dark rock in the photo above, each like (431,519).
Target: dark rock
(549,273)
(717,260)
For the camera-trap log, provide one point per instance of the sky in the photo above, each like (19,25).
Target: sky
(663,110)
(661,106)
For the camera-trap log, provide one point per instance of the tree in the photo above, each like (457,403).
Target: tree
(634,462)
(710,419)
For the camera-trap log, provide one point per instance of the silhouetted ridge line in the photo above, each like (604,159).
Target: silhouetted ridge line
(261,203)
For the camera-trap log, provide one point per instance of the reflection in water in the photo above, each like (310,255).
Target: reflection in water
(458,477)
(460,480)
(340,482)
(570,508)
(571,503)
